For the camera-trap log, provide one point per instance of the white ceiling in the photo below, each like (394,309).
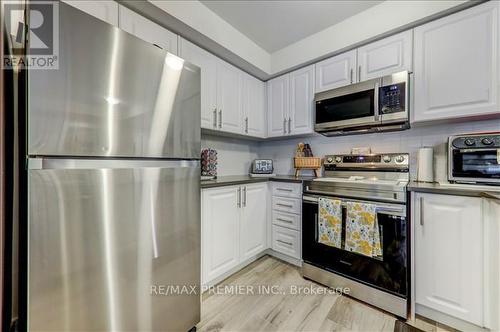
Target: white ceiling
(274,24)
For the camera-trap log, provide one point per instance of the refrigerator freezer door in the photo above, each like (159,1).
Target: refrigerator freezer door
(113,95)
(108,247)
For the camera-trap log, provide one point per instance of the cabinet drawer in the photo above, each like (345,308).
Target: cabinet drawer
(286,241)
(288,220)
(286,189)
(284,204)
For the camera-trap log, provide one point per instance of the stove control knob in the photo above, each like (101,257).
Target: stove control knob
(338,159)
(329,160)
(469,142)
(400,159)
(487,141)
(387,159)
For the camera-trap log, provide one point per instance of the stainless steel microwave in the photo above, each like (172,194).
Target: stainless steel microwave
(474,158)
(380,104)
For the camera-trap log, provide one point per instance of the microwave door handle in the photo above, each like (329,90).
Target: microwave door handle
(376,102)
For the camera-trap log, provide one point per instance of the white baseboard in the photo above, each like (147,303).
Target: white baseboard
(286,258)
(448,320)
(235,269)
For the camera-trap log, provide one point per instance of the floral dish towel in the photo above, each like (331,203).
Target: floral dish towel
(362,232)
(330,222)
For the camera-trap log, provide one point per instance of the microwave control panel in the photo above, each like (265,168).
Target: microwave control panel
(392,98)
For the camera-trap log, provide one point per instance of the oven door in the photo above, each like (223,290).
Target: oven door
(388,273)
(351,106)
(478,165)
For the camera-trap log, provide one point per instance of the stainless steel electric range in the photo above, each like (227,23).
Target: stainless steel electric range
(379,180)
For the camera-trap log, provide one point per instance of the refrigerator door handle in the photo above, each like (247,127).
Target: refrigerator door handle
(60,163)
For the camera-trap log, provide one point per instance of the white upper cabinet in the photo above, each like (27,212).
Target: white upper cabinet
(290,103)
(456,65)
(147,30)
(208,66)
(277,105)
(300,119)
(229,105)
(387,56)
(449,238)
(105,10)
(254,106)
(335,72)
(253,226)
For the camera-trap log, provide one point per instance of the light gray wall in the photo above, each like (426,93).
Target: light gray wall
(403,141)
(234,155)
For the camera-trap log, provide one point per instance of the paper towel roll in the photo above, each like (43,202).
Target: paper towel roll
(425,170)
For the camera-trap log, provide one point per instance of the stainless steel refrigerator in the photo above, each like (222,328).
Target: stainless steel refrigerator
(113,184)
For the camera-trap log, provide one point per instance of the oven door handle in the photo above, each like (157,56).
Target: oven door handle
(385,209)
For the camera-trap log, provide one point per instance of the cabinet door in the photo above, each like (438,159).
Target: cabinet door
(449,255)
(229,98)
(387,56)
(301,101)
(220,231)
(456,65)
(147,30)
(254,106)
(253,226)
(105,10)
(278,105)
(208,65)
(337,71)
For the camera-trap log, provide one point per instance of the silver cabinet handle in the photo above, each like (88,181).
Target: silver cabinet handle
(289,125)
(285,205)
(352,75)
(244,196)
(421,211)
(220,118)
(284,189)
(284,125)
(285,220)
(284,242)
(359,73)
(246,125)
(376,110)
(239,197)
(215,117)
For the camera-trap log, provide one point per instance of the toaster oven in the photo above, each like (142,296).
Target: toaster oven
(474,158)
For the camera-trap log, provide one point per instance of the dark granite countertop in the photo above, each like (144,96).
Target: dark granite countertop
(242,179)
(456,189)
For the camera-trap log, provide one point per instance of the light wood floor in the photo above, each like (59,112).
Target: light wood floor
(289,312)
(286,311)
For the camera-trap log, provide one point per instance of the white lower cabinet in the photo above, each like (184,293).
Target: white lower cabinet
(220,231)
(286,241)
(253,222)
(452,259)
(286,217)
(234,228)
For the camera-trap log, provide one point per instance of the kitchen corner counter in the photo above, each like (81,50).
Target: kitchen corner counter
(456,189)
(244,179)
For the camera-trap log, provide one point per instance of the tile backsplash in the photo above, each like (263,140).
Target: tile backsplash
(408,141)
(235,155)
